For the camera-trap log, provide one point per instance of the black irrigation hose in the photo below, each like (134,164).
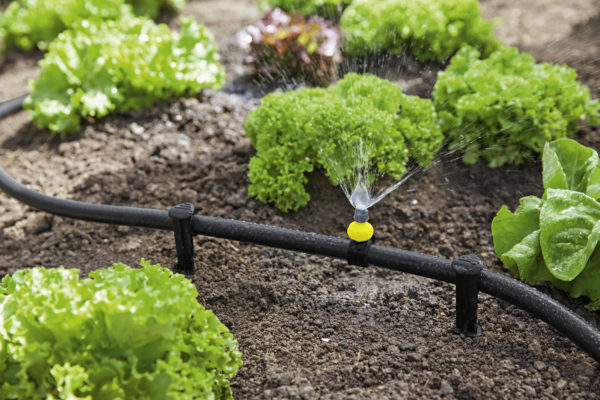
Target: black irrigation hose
(545,308)
(272,236)
(11,106)
(131,216)
(144,217)
(526,297)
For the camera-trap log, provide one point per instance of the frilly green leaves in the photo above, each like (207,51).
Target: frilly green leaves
(297,131)
(101,66)
(122,333)
(29,23)
(308,7)
(506,107)
(431,30)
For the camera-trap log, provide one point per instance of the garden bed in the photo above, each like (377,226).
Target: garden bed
(309,327)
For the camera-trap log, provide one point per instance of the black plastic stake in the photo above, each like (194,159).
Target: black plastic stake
(181,215)
(468,273)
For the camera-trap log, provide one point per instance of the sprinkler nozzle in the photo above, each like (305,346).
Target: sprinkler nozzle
(361,215)
(360,230)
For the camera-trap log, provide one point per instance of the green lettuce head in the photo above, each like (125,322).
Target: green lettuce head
(555,238)
(122,333)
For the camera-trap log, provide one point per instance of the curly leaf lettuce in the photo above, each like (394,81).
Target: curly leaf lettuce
(505,108)
(326,8)
(122,333)
(102,66)
(431,30)
(297,131)
(29,23)
(151,8)
(555,238)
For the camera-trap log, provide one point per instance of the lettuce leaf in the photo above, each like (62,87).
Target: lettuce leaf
(122,333)
(431,30)
(293,46)
(568,165)
(298,131)
(102,66)
(325,8)
(555,238)
(32,23)
(569,231)
(516,240)
(505,108)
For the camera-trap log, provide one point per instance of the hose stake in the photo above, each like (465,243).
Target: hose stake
(468,272)
(181,215)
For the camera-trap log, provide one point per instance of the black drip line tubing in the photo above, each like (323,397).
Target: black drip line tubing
(508,289)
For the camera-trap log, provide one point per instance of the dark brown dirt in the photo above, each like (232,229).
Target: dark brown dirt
(309,327)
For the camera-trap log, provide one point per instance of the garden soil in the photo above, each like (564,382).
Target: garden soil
(310,327)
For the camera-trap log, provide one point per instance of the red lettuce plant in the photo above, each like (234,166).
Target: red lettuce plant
(292,46)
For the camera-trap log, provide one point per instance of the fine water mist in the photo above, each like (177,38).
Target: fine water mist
(363,184)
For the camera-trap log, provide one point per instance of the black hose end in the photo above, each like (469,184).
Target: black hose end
(358,253)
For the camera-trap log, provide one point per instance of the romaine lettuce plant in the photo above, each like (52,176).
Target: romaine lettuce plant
(431,30)
(101,66)
(122,333)
(325,8)
(505,108)
(292,46)
(555,238)
(29,23)
(298,131)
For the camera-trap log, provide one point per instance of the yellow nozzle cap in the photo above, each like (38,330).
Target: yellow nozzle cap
(360,231)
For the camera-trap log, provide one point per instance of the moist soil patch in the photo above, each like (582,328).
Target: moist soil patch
(309,327)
